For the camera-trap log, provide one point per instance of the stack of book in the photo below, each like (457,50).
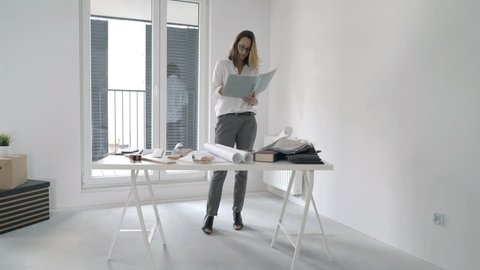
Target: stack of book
(295,151)
(288,146)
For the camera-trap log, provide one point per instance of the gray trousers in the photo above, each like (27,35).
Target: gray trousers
(231,130)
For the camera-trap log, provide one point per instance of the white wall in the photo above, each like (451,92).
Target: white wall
(230,17)
(40,92)
(39,89)
(389,91)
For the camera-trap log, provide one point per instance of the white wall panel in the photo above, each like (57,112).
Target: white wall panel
(389,91)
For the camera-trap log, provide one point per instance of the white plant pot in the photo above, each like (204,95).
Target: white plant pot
(4,150)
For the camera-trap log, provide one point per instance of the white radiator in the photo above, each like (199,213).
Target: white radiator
(279,179)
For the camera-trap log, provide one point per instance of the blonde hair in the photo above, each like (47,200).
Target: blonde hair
(253,59)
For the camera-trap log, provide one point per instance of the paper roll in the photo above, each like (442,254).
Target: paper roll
(226,154)
(247,157)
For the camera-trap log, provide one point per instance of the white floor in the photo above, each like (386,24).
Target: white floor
(81,239)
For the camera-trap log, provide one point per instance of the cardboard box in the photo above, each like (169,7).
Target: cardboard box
(13,171)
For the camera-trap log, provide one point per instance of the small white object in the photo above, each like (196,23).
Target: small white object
(177,147)
(157,152)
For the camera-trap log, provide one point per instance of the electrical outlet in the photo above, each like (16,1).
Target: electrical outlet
(439,219)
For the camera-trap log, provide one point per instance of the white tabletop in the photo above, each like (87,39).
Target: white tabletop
(123,163)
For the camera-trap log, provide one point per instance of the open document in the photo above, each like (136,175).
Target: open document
(243,86)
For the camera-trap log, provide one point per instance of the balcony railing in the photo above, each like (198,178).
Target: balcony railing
(126,119)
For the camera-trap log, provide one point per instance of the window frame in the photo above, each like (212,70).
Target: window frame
(159,94)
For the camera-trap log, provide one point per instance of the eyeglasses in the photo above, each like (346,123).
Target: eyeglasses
(243,48)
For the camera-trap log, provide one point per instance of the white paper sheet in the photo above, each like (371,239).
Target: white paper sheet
(285,133)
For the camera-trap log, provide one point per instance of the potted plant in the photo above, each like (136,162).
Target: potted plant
(5,140)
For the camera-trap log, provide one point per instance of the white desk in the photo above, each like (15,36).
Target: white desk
(123,163)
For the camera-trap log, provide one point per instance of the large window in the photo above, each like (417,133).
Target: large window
(142,79)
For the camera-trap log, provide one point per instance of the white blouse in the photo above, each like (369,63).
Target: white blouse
(224,105)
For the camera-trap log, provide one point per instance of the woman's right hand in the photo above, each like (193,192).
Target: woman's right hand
(220,89)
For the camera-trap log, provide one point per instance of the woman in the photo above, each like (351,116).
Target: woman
(236,123)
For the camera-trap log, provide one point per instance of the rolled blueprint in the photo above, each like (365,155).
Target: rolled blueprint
(247,157)
(226,154)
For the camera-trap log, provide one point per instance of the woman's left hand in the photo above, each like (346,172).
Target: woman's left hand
(251,100)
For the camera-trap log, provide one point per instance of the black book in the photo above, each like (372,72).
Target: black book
(305,159)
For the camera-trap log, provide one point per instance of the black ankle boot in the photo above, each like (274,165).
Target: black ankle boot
(207,224)
(237,221)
